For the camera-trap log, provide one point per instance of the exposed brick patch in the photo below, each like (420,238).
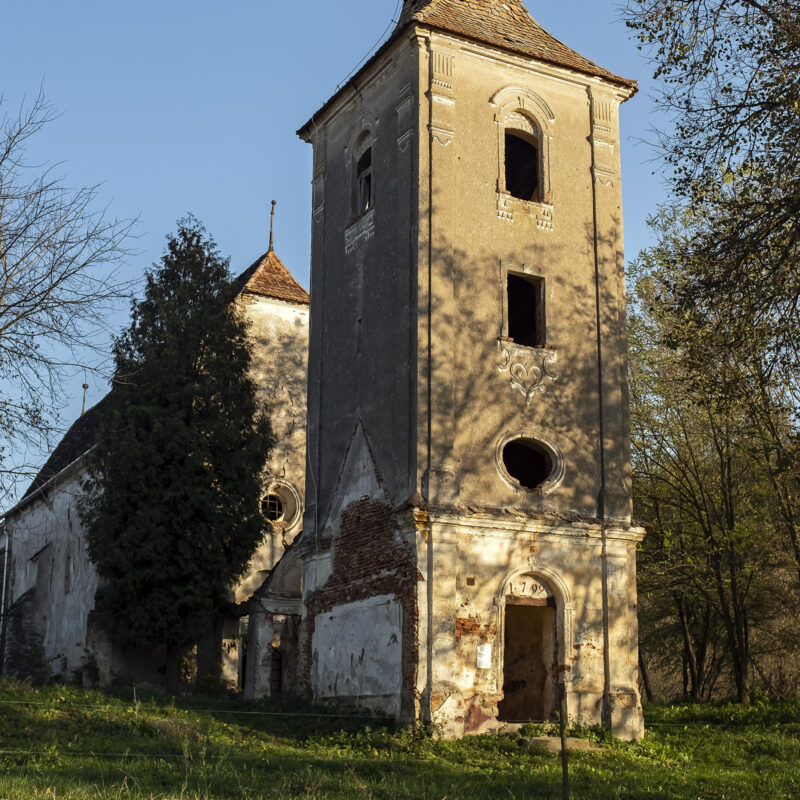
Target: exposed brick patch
(471,626)
(374,555)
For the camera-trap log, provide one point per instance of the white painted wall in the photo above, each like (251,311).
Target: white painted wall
(49,553)
(356,652)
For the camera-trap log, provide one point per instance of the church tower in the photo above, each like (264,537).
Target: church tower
(467,540)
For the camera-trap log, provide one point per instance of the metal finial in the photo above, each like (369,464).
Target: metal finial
(83,407)
(272,226)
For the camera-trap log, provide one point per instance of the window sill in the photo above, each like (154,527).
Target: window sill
(507,340)
(362,230)
(509,207)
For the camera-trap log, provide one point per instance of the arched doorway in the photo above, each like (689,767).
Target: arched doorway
(530,648)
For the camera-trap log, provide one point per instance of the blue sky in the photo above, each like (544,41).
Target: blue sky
(178,106)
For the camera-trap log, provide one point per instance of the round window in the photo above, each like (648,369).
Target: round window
(272,507)
(527,462)
(282,504)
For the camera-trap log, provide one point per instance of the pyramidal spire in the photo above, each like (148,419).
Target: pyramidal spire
(268,277)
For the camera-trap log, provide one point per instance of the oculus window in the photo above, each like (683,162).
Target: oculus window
(272,507)
(528,462)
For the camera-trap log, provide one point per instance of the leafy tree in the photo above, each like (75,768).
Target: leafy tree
(715,465)
(55,287)
(730,72)
(173,510)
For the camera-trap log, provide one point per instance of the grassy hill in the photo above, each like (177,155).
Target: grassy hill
(62,743)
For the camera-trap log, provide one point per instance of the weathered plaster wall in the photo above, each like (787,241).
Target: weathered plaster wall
(477,562)
(279,331)
(367,552)
(372,557)
(482,388)
(363,280)
(273,623)
(357,653)
(52,584)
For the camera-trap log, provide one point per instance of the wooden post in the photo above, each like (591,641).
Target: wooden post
(562,714)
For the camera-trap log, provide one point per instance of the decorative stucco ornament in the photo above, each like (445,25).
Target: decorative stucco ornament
(530,370)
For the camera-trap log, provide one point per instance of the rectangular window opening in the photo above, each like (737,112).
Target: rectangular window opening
(526,320)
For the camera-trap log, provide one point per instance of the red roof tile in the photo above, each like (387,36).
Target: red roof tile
(268,277)
(502,23)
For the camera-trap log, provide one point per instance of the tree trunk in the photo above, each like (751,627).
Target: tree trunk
(688,649)
(741,645)
(645,680)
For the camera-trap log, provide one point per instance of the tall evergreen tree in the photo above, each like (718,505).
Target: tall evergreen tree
(174,488)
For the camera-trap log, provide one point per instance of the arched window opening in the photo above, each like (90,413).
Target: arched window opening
(527,462)
(522,166)
(364,182)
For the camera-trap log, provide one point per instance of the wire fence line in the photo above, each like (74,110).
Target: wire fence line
(170,709)
(144,707)
(200,756)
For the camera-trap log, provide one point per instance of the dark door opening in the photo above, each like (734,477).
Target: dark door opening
(276,672)
(529,664)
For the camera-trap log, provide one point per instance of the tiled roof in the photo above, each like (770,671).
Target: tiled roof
(77,440)
(268,277)
(502,23)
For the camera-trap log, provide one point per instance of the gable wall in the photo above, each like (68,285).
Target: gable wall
(52,584)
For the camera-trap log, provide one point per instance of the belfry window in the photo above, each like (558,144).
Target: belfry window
(363,186)
(525,298)
(521,166)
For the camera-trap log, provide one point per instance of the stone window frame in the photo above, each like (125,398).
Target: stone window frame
(361,136)
(523,112)
(557,473)
(565,614)
(290,500)
(533,276)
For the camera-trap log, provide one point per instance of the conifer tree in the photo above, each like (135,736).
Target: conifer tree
(174,488)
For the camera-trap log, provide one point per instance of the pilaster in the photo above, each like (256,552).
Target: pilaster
(439,482)
(610,297)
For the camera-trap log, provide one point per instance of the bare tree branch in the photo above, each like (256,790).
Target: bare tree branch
(59,280)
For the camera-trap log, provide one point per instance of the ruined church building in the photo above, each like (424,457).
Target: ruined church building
(467,547)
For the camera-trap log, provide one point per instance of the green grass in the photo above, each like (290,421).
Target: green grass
(62,743)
